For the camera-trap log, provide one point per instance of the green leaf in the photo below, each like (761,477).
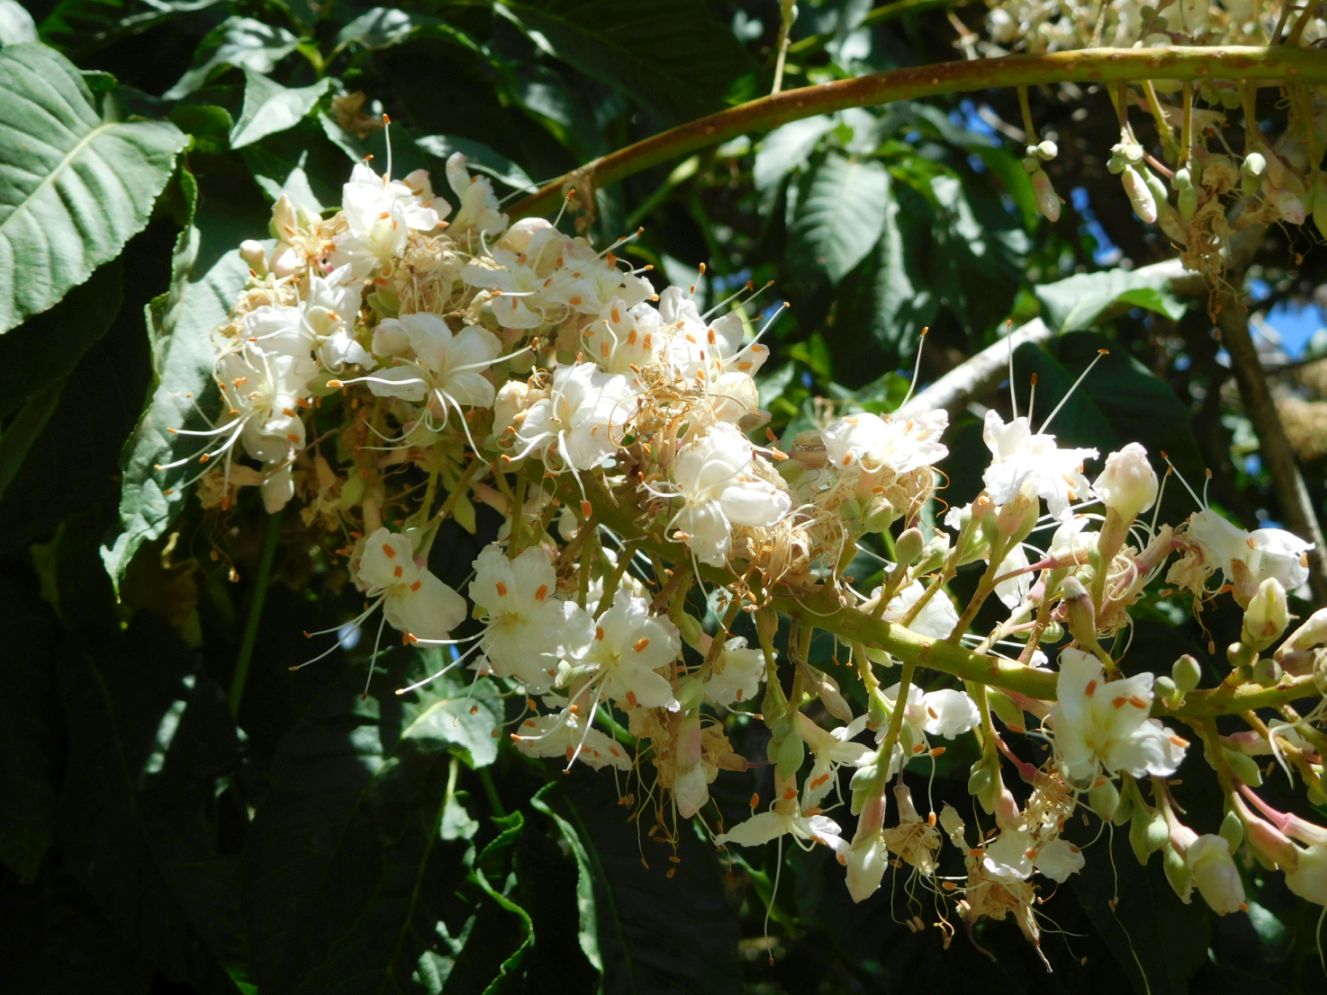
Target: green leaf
(671,56)
(346,874)
(841,215)
(787,147)
(30,729)
(148,747)
(16,24)
(205,280)
(74,186)
(41,353)
(270,107)
(23,431)
(481,158)
(662,926)
(887,295)
(383,27)
(587,934)
(1078,302)
(238,41)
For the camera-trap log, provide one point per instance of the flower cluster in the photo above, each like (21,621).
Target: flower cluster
(401,360)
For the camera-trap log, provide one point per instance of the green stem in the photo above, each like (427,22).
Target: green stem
(1091,65)
(271,535)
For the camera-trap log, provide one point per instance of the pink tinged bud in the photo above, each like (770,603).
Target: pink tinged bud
(1048,201)
(1266,616)
(1128,484)
(1082,616)
(1214,873)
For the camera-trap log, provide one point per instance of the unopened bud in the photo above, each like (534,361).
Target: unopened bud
(1186,672)
(1104,798)
(1254,165)
(254,255)
(1214,872)
(1047,150)
(1232,830)
(1048,201)
(1082,617)
(1267,615)
(909,546)
(789,756)
(1243,766)
(1178,874)
(1148,833)
(1266,672)
(1165,689)
(1140,195)
(1308,879)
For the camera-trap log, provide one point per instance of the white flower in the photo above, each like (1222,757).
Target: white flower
(1246,559)
(1128,484)
(1107,724)
(379,214)
(736,674)
(869,443)
(528,626)
(588,282)
(264,393)
(936,619)
(579,421)
(714,477)
(445,370)
(517,268)
(413,599)
(628,648)
(1058,859)
(1024,459)
(831,749)
(564,735)
(765,826)
(479,207)
(947,713)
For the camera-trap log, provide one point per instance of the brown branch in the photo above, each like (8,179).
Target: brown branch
(1095,65)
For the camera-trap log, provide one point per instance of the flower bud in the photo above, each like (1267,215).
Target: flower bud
(1048,201)
(1140,195)
(1178,874)
(1047,150)
(1082,617)
(1266,616)
(908,548)
(1104,798)
(1309,879)
(254,255)
(1232,830)
(1148,833)
(788,756)
(1186,672)
(1266,672)
(1214,872)
(1244,767)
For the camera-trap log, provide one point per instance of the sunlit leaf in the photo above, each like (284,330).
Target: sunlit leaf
(840,216)
(241,42)
(74,185)
(270,107)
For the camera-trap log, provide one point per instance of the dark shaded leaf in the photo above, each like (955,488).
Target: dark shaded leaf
(840,216)
(669,55)
(345,871)
(150,736)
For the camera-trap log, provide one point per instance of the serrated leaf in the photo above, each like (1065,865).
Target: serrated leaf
(840,217)
(787,147)
(270,107)
(241,42)
(74,186)
(671,56)
(345,868)
(204,285)
(1078,302)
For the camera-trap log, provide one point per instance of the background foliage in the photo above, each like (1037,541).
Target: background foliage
(182,813)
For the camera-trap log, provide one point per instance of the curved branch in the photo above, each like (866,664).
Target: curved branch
(1094,65)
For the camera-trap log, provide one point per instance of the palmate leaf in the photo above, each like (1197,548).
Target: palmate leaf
(346,868)
(671,56)
(75,185)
